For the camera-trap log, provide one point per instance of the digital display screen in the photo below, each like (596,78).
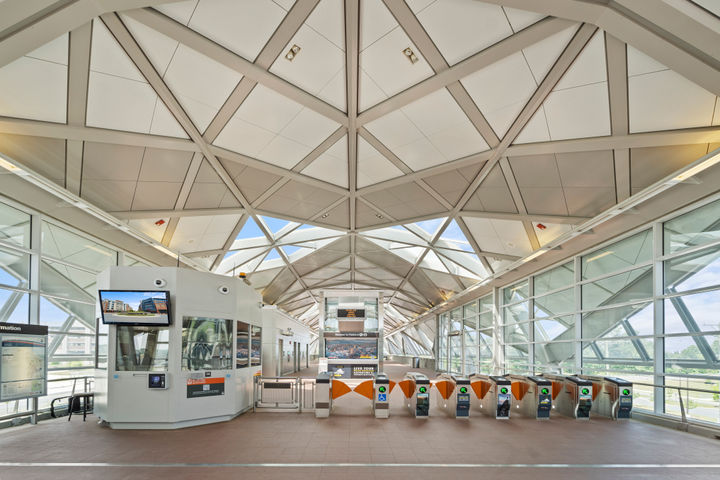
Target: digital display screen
(156,380)
(350,313)
(351,348)
(135,307)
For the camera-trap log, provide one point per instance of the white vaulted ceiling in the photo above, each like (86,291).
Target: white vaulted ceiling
(416,147)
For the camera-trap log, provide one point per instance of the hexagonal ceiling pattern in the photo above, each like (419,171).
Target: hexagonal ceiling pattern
(416,147)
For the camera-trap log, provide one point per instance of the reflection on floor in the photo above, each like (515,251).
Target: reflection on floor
(485,448)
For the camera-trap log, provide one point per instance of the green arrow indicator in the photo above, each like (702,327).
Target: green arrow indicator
(544,391)
(585,391)
(423,389)
(626,391)
(381,389)
(463,389)
(503,390)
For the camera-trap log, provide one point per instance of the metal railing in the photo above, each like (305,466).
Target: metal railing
(683,416)
(35,411)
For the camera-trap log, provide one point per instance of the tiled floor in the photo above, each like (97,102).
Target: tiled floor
(233,449)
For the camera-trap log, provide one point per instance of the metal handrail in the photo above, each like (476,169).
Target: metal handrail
(683,416)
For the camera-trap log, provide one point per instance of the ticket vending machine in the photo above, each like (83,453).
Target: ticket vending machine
(381,395)
(493,395)
(416,387)
(323,394)
(453,395)
(612,397)
(533,396)
(572,395)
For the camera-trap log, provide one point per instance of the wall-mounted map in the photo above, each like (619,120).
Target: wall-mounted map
(23,361)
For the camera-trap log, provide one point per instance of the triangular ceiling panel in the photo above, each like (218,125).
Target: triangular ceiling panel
(578,105)
(319,66)
(493,195)
(35,86)
(332,165)
(209,191)
(652,108)
(428,132)
(194,234)
(200,84)
(275,129)
(119,97)
(372,165)
(384,70)
(502,89)
(463,27)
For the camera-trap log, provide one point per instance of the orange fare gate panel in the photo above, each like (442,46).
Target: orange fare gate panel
(407,387)
(480,388)
(365,389)
(519,389)
(445,388)
(339,389)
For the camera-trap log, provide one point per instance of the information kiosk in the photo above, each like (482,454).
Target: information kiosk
(183,347)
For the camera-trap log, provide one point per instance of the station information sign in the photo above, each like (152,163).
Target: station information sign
(23,361)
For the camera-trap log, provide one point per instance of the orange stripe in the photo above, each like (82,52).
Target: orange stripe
(205,381)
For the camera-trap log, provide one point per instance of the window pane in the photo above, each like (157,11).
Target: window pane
(692,355)
(553,279)
(619,355)
(515,293)
(556,329)
(696,270)
(631,251)
(555,303)
(518,333)
(456,354)
(516,313)
(627,321)
(14,226)
(624,287)
(485,341)
(698,227)
(242,340)
(65,281)
(14,306)
(703,406)
(470,310)
(693,313)
(142,348)
(64,245)
(14,268)
(54,312)
(456,320)
(130,261)
(555,357)
(206,343)
(516,359)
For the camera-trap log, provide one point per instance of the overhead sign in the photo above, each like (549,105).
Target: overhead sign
(349,334)
(350,313)
(23,361)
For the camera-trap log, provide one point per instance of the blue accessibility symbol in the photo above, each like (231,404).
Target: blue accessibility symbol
(382,397)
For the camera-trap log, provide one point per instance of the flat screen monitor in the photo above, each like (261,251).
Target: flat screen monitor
(135,307)
(351,348)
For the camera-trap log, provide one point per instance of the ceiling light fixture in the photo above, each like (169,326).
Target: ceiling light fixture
(694,170)
(379,216)
(292,53)
(324,215)
(410,55)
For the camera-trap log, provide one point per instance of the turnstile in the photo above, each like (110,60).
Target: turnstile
(612,397)
(493,395)
(381,395)
(416,387)
(453,395)
(323,394)
(533,396)
(572,395)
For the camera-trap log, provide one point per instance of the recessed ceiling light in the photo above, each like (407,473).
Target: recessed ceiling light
(410,55)
(379,216)
(294,50)
(324,215)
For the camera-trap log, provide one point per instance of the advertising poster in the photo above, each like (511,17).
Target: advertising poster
(205,387)
(339,370)
(23,361)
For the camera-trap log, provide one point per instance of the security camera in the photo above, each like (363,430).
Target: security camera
(159,282)
(224,290)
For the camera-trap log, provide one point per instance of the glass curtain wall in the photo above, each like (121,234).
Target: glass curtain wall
(642,307)
(60,294)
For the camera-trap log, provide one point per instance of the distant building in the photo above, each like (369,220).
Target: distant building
(153,305)
(115,306)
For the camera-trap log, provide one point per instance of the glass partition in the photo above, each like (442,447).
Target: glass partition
(242,340)
(206,343)
(256,346)
(142,349)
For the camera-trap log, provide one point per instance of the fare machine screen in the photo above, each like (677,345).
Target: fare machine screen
(422,407)
(502,385)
